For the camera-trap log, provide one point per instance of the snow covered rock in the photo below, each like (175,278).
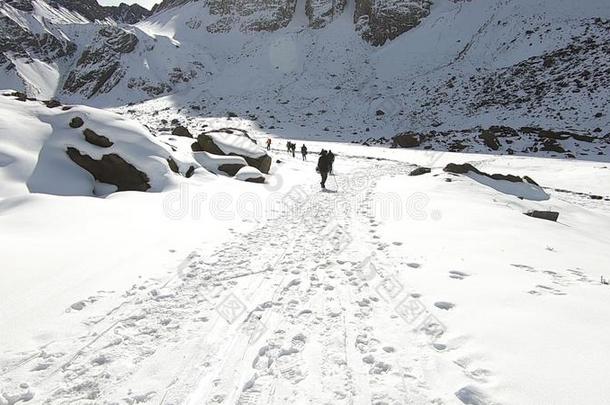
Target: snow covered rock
(522,187)
(233,142)
(420,171)
(250,175)
(42,153)
(216,163)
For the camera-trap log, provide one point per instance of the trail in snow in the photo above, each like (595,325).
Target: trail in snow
(294,310)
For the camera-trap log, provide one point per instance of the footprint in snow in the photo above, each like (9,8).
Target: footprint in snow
(458,275)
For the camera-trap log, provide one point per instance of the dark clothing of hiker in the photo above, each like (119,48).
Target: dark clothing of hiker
(331,159)
(294,149)
(304,152)
(288,146)
(268,143)
(323,167)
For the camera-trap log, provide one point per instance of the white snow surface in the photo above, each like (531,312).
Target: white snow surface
(385,289)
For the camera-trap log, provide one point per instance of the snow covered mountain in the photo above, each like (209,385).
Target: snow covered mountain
(443,72)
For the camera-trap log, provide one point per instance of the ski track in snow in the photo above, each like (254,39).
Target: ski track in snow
(279,315)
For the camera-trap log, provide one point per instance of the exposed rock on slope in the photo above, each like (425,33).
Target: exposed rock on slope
(381,20)
(260,15)
(323,12)
(507,140)
(99,66)
(92,10)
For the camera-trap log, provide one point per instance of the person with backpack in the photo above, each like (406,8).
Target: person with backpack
(293,148)
(331,159)
(323,167)
(268,143)
(288,146)
(304,152)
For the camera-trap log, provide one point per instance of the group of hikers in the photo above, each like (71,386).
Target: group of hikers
(325,161)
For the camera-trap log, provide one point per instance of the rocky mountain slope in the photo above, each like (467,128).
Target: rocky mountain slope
(355,70)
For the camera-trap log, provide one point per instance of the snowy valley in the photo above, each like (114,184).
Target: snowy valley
(155,250)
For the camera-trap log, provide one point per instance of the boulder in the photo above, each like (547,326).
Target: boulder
(490,140)
(467,167)
(97,140)
(52,103)
(407,140)
(173,165)
(112,169)
(181,131)
(189,173)
(250,175)
(231,168)
(206,142)
(419,171)
(76,122)
(546,215)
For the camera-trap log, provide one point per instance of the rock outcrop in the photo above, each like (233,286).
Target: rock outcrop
(111,169)
(259,15)
(322,12)
(381,20)
(92,10)
(99,67)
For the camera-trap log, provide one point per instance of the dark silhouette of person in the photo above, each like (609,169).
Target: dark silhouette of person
(331,159)
(323,167)
(304,152)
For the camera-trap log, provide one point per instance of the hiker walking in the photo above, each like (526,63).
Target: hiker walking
(331,160)
(304,152)
(268,143)
(288,146)
(323,167)
(293,148)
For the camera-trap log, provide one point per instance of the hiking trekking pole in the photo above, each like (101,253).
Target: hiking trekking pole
(335,178)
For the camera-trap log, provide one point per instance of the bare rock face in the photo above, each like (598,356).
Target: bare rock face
(251,15)
(112,169)
(99,69)
(323,12)
(92,10)
(21,43)
(381,20)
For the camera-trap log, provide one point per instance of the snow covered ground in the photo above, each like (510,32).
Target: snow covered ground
(388,289)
